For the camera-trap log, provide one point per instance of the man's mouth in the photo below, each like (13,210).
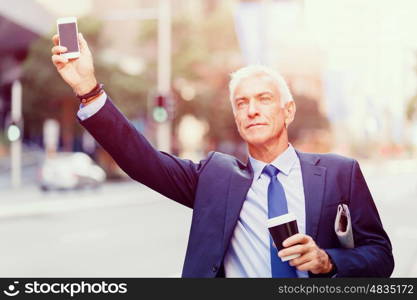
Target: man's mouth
(255,125)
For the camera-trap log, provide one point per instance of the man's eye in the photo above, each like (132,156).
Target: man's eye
(241,103)
(265,99)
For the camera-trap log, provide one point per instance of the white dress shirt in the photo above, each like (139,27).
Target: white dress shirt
(248,254)
(87,111)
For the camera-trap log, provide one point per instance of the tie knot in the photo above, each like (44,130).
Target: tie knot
(270,170)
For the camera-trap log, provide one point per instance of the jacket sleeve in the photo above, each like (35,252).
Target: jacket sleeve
(171,176)
(372,255)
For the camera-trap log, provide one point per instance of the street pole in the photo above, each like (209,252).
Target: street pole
(16,145)
(163,130)
(50,137)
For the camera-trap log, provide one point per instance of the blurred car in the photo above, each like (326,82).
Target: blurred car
(70,170)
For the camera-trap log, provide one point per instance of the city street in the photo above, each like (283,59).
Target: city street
(121,230)
(126,230)
(193,76)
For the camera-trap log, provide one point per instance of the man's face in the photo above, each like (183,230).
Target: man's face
(259,116)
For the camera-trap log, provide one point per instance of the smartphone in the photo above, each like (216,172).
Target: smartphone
(68,36)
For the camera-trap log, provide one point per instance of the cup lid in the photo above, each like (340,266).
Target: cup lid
(281,220)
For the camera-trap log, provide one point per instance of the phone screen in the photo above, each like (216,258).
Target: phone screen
(68,36)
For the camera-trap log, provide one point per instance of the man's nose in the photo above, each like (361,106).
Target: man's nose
(252,109)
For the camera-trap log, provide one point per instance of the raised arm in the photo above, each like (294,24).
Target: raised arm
(173,177)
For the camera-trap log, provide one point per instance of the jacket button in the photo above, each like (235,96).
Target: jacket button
(214,269)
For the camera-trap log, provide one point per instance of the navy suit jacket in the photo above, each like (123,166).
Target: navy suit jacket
(216,187)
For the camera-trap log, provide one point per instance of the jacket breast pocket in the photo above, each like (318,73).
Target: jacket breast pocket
(335,202)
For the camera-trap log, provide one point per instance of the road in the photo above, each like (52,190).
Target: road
(393,185)
(127,230)
(122,230)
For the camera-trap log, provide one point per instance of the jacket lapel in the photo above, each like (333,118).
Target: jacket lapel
(313,181)
(240,182)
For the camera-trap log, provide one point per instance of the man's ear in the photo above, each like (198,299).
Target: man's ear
(289,112)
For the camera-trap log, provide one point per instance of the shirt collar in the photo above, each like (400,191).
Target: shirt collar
(284,162)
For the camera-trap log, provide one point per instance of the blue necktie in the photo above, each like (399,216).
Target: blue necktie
(277,205)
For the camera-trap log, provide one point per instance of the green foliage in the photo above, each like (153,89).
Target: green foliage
(307,117)
(40,78)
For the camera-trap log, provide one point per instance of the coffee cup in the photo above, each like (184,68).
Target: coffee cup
(281,228)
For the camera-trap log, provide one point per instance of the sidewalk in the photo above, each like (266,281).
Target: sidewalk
(30,157)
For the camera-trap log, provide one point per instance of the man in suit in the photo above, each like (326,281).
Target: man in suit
(232,201)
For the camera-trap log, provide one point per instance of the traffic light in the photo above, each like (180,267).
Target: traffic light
(160,109)
(14,132)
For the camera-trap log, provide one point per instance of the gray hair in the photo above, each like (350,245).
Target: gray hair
(242,73)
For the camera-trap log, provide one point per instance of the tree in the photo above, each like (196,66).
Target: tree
(307,117)
(46,95)
(203,54)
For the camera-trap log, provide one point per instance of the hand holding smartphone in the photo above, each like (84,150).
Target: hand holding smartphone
(68,36)
(74,62)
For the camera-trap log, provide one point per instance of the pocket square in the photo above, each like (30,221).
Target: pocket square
(343,226)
